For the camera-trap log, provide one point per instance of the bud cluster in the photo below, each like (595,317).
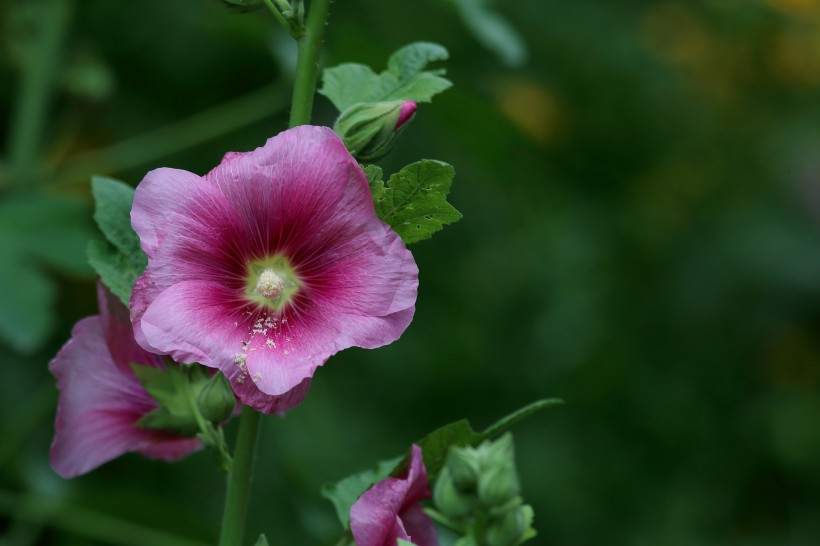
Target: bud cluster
(479,489)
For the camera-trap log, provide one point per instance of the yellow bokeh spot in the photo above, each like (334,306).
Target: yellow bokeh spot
(533,109)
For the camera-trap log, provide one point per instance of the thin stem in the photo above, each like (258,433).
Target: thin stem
(236,500)
(307,63)
(35,91)
(279,16)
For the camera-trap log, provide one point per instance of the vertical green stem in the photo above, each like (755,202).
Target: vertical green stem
(307,63)
(35,89)
(239,479)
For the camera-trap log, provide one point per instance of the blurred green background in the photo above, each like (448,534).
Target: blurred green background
(640,184)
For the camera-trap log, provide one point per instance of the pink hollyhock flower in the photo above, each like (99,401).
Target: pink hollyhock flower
(268,265)
(391,510)
(101,398)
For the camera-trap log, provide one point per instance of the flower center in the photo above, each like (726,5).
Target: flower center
(271,282)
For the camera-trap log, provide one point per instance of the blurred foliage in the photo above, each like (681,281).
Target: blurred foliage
(641,203)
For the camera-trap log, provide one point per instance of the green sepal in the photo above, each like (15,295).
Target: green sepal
(368,129)
(414,200)
(118,259)
(406,78)
(168,388)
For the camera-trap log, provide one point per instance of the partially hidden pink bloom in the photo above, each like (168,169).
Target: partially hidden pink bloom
(268,265)
(101,398)
(408,108)
(391,509)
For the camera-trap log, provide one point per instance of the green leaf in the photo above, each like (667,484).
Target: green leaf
(120,260)
(36,230)
(414,201)
(506,422)
(117,271)
(113,200)
(347,491)
(49,229)
(493,31)
(406,78)
(26,314)
(262,540)
(435,447)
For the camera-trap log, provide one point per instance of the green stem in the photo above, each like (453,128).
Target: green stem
(307,63)
(239,479)
(35,90)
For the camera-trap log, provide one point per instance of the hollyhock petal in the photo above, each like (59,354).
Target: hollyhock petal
(302,202)
(99,405)
(378,517)
(419,527)
(117,330)
(160,196)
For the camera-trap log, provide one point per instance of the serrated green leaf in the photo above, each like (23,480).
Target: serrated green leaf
(113,200)
(414,201)
(435,447)
(404,79)
(347,491)
(117,271)
(118,260)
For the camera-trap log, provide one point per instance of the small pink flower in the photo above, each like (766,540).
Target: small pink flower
(268,265)
(101,398)
(391,510)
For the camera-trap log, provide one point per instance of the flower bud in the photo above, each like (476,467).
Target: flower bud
(508,529)
(216,400)
(498,482)
(369,129)
(464,466)
(449,500)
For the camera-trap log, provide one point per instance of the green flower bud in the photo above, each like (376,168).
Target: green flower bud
(464,467)
(507,530)
(498,482)
(216,400)
(369,129)
(449,500)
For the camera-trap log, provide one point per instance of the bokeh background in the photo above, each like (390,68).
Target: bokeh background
(640,184)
